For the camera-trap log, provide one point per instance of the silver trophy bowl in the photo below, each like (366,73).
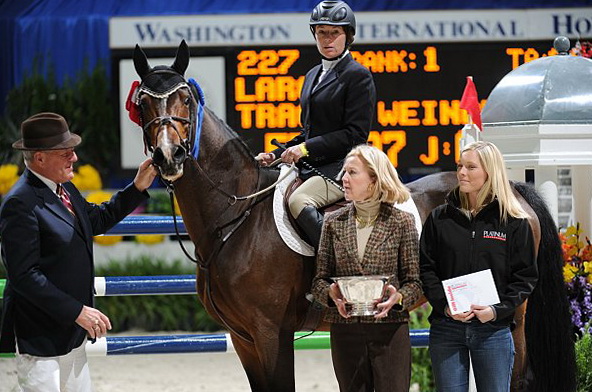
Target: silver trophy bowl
(362,293)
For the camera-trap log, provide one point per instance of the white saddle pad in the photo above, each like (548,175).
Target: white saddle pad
(409,206)
(282,221)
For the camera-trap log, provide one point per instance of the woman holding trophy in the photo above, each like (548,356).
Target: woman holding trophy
(371,248)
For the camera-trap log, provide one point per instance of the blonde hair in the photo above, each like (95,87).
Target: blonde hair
(388,187)
(497,186)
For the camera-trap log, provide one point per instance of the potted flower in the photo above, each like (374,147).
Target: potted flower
(577,273)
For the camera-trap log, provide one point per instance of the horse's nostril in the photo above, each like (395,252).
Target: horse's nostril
(179,155)
(158,157)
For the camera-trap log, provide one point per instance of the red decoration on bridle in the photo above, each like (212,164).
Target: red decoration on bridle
(130,104)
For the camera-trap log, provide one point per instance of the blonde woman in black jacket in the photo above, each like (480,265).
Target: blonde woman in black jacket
(482,226)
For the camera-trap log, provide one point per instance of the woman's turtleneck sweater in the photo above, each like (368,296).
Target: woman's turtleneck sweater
(366,214)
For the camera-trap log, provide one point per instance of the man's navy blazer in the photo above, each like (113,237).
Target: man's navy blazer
(48,255)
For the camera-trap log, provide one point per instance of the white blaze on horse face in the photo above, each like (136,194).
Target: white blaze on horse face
(164,141)
(167,145)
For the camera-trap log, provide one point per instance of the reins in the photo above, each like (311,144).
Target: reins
(205,264)
(232,199)
(308,166)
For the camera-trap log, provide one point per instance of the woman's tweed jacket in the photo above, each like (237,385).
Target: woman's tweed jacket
(392,250)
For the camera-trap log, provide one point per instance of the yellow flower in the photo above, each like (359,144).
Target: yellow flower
(8,176)
(588,270)
(573,231)
(150,239)
(588,267)
(569,272)
(572,251)
(97,198)
(87,179)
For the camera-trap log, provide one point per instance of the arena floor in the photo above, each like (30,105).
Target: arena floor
(211,372)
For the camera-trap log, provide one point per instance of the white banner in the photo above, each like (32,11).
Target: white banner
(373,27)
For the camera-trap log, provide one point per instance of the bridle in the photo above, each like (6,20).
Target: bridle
(167,119)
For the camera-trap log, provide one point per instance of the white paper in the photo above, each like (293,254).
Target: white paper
(477,288)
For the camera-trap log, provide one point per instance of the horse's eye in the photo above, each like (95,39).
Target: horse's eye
(187,101)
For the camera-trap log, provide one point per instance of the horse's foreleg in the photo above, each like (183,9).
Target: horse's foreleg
(277,358)
(269,363)
(249,358)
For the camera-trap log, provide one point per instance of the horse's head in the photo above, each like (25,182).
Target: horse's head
(168,111)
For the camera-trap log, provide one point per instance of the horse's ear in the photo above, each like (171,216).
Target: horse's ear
(141,62)
(182,58)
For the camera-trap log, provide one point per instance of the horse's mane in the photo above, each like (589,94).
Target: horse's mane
(231,133)
(547,313)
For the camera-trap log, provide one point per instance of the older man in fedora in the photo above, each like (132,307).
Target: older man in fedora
(47,228)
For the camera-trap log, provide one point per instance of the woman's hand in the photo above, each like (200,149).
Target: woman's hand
(464,316)
(483,313)
(394,297)
(265,158)
(292,154)
(337,297)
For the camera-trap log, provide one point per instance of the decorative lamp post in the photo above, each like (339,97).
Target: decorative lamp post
(540,117)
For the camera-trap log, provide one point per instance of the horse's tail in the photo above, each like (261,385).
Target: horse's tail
(548,329)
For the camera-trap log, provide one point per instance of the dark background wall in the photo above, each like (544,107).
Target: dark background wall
(73,34)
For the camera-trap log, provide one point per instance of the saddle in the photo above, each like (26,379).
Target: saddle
(285,224)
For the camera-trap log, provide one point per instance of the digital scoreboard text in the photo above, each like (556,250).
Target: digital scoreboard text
(417,121)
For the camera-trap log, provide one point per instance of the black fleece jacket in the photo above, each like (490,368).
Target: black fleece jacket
(452,245)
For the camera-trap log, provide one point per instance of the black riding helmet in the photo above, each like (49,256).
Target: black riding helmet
(334,13)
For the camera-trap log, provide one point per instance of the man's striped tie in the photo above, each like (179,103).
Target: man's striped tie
(65,199)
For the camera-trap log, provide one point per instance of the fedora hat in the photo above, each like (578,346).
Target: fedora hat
(46,131)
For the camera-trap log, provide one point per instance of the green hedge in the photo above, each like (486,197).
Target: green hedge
(421,365)
(159,203)
(86,102)
(584,363)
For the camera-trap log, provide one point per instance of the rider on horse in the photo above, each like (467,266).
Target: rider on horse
(337,99)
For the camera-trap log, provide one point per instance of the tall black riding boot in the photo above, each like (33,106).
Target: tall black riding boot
(310,221)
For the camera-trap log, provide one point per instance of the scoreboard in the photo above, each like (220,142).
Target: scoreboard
(252,67)
(417,121)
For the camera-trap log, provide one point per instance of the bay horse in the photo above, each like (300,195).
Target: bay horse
(252,283)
